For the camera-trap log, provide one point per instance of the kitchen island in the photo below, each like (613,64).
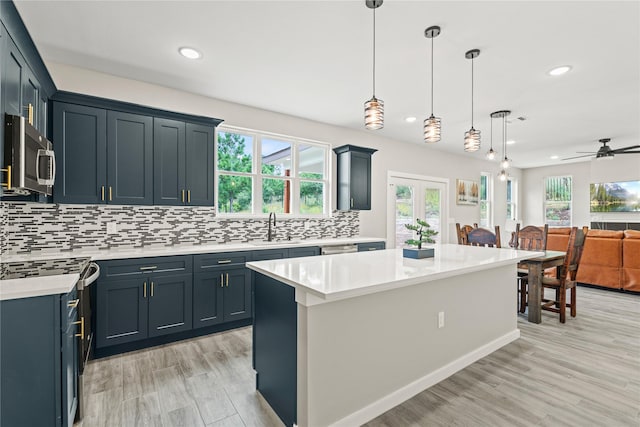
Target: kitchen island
(340,339)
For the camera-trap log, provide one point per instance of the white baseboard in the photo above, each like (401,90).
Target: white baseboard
(392,400)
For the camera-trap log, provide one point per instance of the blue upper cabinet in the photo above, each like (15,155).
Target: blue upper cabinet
(129,158)
(80,137)
(199,157)
(119,153)
(354,177)
(183,163)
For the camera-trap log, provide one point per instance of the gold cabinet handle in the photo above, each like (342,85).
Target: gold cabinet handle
(188,196)
(182,196)
(81,323)
(73,303)
(110,194)
(227,280)
(221,280)
(352,202)
(7,185)
(373,249)
(149,267)
(224,261)
(144,290)
(30,113)
(102,193)
(151,288)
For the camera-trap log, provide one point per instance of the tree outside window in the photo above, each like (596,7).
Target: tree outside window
(558,197)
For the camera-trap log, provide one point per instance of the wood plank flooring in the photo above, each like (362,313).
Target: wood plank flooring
(583,373)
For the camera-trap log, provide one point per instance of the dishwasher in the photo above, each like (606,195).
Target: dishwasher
(338,249)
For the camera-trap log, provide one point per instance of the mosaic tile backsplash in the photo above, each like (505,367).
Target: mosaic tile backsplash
(30,227)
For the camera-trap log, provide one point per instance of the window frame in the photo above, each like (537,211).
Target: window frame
(544,202)
(488,200)
(257,176)
(514,198)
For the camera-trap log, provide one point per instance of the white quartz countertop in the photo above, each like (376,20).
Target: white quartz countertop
(37,286)
(152,251)
(334,277)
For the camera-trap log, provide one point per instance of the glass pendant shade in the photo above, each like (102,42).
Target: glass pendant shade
(432,129)
(503,175)
(374,114)
(491,154)
(471,140)
(505,163)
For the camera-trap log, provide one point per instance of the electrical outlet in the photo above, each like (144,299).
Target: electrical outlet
(112,228)
(441,319)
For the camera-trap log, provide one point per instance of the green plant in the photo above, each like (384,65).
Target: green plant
(424,232)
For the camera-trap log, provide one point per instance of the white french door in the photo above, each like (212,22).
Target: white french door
(413,196)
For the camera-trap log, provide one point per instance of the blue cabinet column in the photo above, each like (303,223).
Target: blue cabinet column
(168,162)
(199,157)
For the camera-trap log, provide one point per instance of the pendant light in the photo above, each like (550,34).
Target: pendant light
(491,154)
(501,114)
(432,124)
(472,136)
(374,108)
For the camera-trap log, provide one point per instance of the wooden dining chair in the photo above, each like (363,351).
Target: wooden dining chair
(529,238)
(484,237)
(462,232)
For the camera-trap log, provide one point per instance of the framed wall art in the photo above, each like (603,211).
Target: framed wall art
(466,192)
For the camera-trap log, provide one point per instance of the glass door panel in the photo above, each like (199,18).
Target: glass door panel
(404,214)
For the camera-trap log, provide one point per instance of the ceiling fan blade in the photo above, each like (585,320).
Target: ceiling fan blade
(586,152)
(578,157)
(628,152)
(625,149)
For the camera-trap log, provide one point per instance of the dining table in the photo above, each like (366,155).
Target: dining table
(536,267)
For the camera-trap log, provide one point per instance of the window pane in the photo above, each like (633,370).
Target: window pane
(558,188)
(311,161)
(558,213)
(404,214)
(276,195)
(483,187)
(510,211)
(235,152)
(509,190)
(234,194)
(484,214)
(311,197)
(276,157)
(432,210)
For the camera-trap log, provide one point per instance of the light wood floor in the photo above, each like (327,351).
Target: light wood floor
(583,373)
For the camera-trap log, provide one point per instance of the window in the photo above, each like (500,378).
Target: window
(512,198)
(486,197)
(557,201)
(260,173)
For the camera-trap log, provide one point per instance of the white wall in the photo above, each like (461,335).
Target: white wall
(392,155)
(620,168)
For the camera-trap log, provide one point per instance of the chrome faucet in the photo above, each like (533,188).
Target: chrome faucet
(272,221)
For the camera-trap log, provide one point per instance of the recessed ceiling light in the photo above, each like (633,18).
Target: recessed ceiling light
(510,142)
(410,119)
(554,157)
(189,52)
(558,71)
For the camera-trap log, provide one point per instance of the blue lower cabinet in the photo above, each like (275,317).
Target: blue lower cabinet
(170,304)
(372,246)
(38,361)
(304,252)
(222,295)
(121,311)
(237,294)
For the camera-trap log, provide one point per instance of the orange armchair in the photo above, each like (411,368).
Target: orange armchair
(631,261)
(601,262)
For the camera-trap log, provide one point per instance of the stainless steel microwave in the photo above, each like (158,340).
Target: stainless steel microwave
(30,164)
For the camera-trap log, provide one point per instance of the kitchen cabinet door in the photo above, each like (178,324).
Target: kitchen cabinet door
(168,162)
(372,246)
(13,73)
(199,157)
(170,304)
(129,158)
(70,373)
(80,145)
(354,177)
(302,252)
(31,98)
(121,311)
(237,294)
(208,298)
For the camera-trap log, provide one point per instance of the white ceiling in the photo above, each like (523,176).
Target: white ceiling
(312,59)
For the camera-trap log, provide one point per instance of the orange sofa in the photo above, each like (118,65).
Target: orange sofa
(631,261)
(601,262)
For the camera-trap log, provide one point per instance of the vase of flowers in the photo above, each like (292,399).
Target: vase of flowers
(425,235)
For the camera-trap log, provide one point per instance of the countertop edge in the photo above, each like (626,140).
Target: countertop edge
(37,286)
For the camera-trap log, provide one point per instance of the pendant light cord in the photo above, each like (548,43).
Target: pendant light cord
(471,93)
(491,148)
(504,135)
(432,75)
(374,52)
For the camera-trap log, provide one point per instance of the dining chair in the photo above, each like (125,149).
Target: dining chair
(529,238)
(484,237)
(566,280)
(462,232)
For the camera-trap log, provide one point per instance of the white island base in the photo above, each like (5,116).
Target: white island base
(363,349)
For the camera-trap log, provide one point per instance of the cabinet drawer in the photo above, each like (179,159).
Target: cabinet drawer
(268,254)
(303,252)
(139,266)
(374,246)
(207,261)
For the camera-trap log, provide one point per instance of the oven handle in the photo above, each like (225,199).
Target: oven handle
(52,171)
(89,280)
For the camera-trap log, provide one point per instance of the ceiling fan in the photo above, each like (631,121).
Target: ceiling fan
(606,151)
